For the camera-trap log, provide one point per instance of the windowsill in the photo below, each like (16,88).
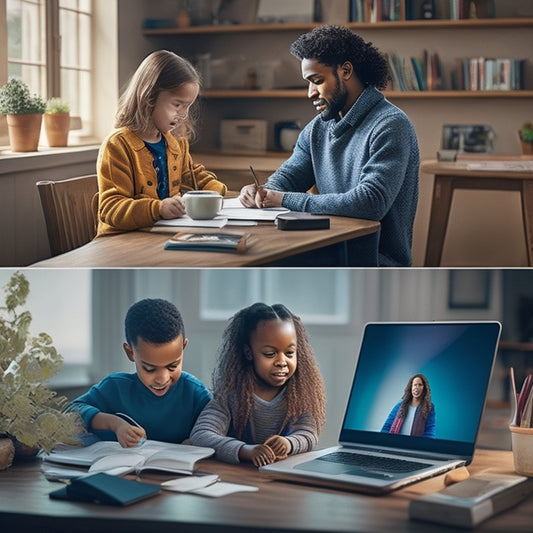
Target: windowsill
(45,157)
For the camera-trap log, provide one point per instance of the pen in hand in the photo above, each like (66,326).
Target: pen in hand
(256,180)
(257,184)
(130,420)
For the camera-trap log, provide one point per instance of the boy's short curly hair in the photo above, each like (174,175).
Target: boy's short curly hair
(333,45)
(154,320)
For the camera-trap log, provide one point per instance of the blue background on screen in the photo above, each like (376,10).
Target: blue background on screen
(456,359)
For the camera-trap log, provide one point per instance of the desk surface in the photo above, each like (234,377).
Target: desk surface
(266,245)
(277,506)
(514,168)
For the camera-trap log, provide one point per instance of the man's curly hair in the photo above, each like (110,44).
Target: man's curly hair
(333,45)
(234,376)
(153,320)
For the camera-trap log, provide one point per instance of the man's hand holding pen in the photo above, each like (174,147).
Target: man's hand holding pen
(255,195)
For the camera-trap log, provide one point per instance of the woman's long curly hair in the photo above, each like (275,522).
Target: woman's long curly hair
(333,45)
(234,376)
(408,396)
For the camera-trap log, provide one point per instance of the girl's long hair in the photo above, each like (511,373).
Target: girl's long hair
(425,404)
(234,376)
(160,71)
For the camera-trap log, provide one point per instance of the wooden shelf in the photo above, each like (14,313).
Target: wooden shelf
(516,346)
(399,25)
(302,93)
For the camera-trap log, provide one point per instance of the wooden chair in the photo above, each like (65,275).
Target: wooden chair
(69,211)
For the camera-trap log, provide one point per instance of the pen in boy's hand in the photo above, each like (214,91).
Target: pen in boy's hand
(130,420)
(257,184)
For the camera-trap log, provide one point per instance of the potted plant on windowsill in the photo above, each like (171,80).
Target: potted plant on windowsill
(24,113)
(31,415)
(57,122)
(526,138)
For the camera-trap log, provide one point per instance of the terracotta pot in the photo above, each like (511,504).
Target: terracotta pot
(24,132)
(7,453)
(56,126)
(527,147)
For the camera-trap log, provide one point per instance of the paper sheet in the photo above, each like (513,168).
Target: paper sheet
(222,488)
(206,485)
(234,210)
(187,222)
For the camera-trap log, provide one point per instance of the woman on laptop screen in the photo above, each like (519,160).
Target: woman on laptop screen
(415,414)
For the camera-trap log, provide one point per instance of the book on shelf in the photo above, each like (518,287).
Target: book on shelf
(394,10)
(109,457)
(208,242)
(415,74)
(488,74)
(377,10)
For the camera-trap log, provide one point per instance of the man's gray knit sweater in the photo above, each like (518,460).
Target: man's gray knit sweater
(364,165)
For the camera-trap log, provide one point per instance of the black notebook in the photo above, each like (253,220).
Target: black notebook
(106,489)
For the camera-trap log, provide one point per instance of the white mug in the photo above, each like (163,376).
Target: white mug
(202,205)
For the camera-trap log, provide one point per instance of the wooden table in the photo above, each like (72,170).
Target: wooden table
(480,174)
(267,245)
(277,506)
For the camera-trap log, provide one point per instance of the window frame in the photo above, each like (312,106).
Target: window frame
(53,67)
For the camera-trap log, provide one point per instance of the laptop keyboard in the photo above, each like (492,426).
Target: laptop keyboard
(371,462)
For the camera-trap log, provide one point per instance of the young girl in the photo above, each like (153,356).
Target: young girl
(269,399)
(145,165)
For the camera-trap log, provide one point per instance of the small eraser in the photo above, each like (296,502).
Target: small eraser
(454,476)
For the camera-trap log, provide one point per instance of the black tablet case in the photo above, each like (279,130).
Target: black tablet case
(296,220)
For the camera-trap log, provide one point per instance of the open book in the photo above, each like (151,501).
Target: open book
(111,458)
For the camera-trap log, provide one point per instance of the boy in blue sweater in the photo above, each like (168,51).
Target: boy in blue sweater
(360,152)
(159,397)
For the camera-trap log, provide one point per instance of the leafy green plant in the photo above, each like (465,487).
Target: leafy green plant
(29,411)
(57,105)
(526,132)
(15,99)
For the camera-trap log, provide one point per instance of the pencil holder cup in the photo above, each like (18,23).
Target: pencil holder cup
(522,445)
(202,205)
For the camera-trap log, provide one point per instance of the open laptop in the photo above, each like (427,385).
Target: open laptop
(456,359)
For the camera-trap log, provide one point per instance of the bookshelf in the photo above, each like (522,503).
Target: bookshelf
(221,102)
(511,22)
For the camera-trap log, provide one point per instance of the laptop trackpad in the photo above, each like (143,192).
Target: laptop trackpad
(335,469)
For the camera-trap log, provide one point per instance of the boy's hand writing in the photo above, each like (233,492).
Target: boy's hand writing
(129,436)
(173,207)
(258,454)
(279,445)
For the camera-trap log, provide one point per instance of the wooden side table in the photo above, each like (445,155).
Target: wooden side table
(509,174)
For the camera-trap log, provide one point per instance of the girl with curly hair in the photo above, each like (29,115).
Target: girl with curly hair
(269,398)
(415,414)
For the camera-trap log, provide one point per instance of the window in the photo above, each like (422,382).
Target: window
(60,304)
(49,47)
(317,296)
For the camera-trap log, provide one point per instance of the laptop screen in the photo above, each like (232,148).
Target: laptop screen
(421,386)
